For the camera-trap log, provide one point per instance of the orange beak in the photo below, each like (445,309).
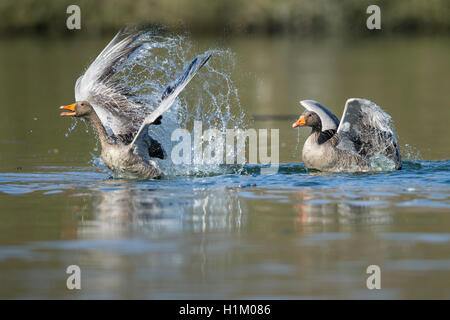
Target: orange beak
(300,122)
(70,107)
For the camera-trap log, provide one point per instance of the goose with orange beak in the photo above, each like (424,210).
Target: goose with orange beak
(120,122)
(356,143)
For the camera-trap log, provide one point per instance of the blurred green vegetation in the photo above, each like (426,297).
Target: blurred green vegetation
(227,16)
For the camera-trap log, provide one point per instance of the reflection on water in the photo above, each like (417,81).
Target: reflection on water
(203,211)
(315,208)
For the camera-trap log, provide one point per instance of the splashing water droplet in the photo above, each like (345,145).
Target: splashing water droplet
(411,153)
(211,97)
(297,146)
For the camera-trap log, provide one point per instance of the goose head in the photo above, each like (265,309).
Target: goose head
(78,109)
(308,119)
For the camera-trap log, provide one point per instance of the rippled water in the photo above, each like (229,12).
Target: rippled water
(293,234)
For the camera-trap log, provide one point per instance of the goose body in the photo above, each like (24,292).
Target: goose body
(124,162)
(120,123)
(359,142)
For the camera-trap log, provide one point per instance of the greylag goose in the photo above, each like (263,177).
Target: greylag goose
(121,123)
(360,142)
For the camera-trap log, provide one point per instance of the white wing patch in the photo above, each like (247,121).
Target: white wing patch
(328,119)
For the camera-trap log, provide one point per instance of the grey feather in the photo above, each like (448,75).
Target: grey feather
(365,130)
(119,113)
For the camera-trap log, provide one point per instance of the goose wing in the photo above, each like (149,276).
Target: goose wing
(112,102)
(328,119)
(365,130)
(168,97)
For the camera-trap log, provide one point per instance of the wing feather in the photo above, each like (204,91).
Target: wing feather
(169,95)
(125,119)
(111,101)
(365,130)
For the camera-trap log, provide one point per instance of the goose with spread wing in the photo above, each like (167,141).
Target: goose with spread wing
(359,142)
(120,122)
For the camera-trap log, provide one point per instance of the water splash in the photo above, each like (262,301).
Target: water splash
(410,152)
(297,151)
(72,127)
(211,97)
(381,163)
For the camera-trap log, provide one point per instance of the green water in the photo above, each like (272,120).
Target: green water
(295,234)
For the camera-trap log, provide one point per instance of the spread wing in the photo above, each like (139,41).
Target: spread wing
(365,130)
(120,115)
(168,97)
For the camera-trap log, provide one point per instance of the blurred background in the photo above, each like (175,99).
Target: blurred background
(299,17)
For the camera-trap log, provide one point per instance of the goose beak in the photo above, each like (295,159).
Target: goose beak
(70,107)
(300,122)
